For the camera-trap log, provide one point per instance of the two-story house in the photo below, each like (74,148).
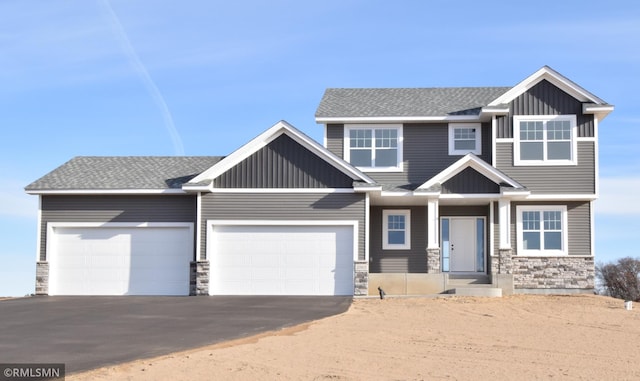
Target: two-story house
(414,191)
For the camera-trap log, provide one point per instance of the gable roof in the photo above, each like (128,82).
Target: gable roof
(470,161)
(204,179)
(122,174)
(405,104)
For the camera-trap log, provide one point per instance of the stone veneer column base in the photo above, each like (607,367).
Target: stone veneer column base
(199,279)
(433,261)
(360,278)
(42,278)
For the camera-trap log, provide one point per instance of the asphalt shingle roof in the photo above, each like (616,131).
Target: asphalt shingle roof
(124,172)
(406,102)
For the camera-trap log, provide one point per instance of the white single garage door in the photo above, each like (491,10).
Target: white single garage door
(119,260)
(281,260)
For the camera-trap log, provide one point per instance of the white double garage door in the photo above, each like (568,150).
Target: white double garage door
(301,258)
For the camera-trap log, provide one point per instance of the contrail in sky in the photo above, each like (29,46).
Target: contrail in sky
(146,79)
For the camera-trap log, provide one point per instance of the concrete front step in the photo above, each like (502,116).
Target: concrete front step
(477,291)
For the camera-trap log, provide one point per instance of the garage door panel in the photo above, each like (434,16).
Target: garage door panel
(120,260)
(281,260)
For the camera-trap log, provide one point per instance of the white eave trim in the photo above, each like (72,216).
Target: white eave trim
(396,119)
(555,78)
(282,190)
(107,191)
(267,137)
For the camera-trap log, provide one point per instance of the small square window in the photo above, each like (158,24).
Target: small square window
(396,229)
(465,138)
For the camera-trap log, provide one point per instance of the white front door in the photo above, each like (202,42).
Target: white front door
(462,244)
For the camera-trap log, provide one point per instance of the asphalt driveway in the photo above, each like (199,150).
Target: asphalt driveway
(89,332)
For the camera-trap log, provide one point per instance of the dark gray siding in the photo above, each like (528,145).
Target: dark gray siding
(425,151)
(464,211)
(115,209)
(545,99)
(283,163)
(335,139)
(552,179)
(578,224)
(284,206)
(470,181)
(399,261)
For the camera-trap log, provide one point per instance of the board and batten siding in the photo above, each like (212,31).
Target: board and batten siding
(148,208)
(469,181)
(545,99)
(425,151)
(283,163)
(578,225)
(284,206)
(574,179)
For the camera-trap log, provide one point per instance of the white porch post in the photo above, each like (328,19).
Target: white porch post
(504,222)
(433,225)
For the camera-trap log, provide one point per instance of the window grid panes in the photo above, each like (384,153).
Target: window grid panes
(396,229)
(545,140)
(464,138)
(542,230)
(374,147)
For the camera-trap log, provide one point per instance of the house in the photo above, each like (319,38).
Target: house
(415,191)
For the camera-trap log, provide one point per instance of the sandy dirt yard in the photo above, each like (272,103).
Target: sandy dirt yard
(510,338)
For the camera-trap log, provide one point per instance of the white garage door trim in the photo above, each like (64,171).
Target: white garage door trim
(52,250)
(211,244)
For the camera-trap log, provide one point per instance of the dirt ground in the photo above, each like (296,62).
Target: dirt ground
(511,338)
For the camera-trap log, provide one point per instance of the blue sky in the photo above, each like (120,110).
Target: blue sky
(155,77)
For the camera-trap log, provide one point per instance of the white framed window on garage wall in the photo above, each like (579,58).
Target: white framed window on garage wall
(396,229)
(375,147)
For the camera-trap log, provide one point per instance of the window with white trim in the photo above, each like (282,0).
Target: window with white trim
(374,148)
(396,229)
(545,140)
(465,138)
(542,230)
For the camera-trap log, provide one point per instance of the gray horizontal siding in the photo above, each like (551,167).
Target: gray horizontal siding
(335,139)
(578,224)
(399,261)
(114,209)
(470,181)
(425,151)
(545,99)
(283,163)
(579,179)
(284,206)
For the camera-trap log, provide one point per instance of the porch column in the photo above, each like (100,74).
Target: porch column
(503,264)
(433,236)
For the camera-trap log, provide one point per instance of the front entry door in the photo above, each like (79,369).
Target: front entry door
(462,244)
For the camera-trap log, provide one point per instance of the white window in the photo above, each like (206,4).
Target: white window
(465,138)
(396,229)
(374,148)
(545,140)
(542,230)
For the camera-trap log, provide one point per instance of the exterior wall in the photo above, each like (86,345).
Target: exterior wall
(283,206)
(578,224)
(545,99)
(399,261)
(425,151)
(556,273)
(146,208)
(573,179)
(283,163)
(470,181)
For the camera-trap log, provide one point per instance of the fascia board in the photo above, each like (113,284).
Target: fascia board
(552,76)
(396,119)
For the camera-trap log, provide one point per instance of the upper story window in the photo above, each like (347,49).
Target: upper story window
(465,138)
(545,140)
(374,147)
